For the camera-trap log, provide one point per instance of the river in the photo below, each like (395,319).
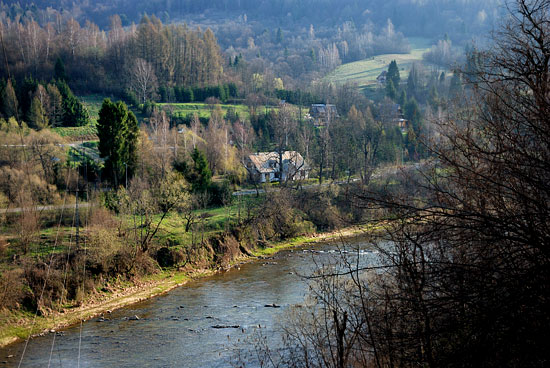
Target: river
(176,329)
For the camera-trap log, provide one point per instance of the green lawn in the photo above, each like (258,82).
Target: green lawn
(364,72)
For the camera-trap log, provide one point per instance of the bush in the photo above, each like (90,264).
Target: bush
(220,194)
(46,288)
(12,289)
(320,208)
(277,219)
(167,257)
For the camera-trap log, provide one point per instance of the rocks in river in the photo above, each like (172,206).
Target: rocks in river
(102,319)
(181,307)
(224,326)
(269,263)
(272,306)
(134,318)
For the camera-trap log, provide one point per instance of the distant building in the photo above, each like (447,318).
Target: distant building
(399,117)
(381,79)
(321,113)
(264,166)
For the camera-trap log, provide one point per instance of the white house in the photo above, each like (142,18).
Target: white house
(265,166)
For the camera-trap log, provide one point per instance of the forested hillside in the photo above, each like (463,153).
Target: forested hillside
(137,58)
(421,18)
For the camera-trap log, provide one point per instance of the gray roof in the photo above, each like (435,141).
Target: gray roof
(266,162)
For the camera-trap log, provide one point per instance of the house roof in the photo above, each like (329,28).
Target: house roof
(266,162)
(317,110)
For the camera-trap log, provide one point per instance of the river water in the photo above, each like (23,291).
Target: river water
(176,329)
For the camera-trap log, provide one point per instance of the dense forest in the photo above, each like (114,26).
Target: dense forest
(137,59)
(297,41)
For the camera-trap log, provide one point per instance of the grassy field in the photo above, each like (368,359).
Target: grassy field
(204,110)
(364,72)
(86,132)
(208,223)
(93,104)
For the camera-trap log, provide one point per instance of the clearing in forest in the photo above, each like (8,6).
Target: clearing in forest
(364,72)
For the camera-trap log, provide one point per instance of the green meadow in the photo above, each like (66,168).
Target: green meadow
(364,72)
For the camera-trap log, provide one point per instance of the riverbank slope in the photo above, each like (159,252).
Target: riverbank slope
(18,326)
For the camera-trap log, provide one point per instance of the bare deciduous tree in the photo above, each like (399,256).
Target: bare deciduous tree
(143,80)
(463,278)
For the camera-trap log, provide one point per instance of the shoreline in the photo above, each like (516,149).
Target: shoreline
(148,288)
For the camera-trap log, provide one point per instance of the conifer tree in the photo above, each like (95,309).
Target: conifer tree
(390,89)
(9,101)
(199,174)
(393,74)
(74,113)
(59,70)
(402,98)
(117,129)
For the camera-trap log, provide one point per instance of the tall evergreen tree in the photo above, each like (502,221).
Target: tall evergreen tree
(412,113)
(199,174)
(402,98)
(25,93)
(117,129)
(59,70)
(74,113)
(391,92)
(9,101)
(393,74)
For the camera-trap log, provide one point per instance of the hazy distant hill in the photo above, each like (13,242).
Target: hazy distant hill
(413,17)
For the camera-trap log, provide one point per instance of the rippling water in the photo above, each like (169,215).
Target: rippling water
(176,330)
